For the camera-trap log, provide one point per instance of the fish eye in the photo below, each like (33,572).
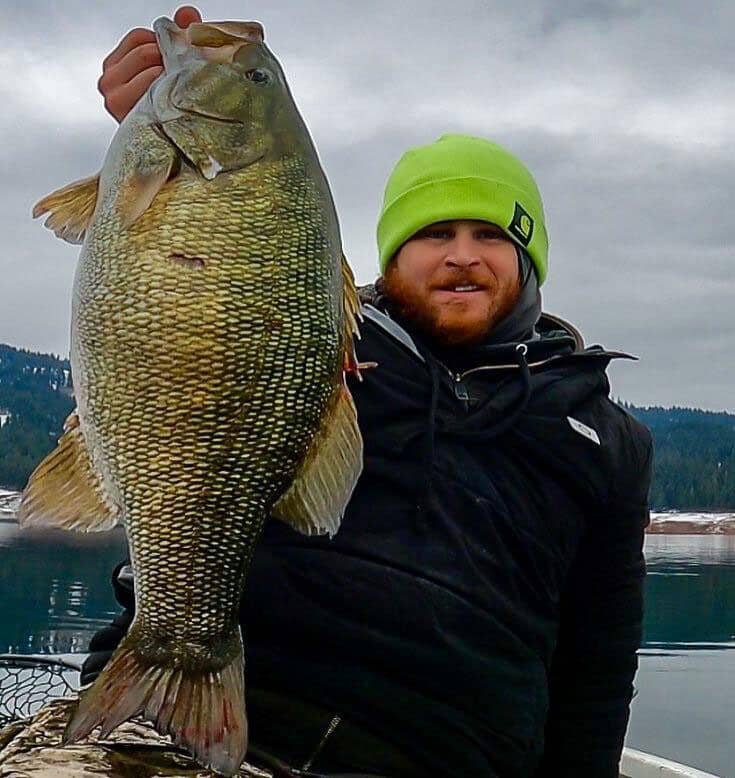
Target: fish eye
(258,76)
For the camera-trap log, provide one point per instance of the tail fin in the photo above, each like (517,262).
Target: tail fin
(204,712)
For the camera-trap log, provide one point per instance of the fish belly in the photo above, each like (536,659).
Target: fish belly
(206,340)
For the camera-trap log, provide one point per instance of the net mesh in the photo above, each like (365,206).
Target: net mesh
(28,683)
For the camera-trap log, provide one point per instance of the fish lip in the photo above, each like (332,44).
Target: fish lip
(205,115)
(175,103)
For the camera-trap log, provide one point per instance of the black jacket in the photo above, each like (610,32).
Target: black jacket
(481,604)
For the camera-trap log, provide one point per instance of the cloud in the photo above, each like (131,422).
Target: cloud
(623,109)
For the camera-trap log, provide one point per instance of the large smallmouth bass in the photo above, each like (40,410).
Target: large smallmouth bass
(213,316)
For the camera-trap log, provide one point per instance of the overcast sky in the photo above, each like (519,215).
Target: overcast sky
(623,109)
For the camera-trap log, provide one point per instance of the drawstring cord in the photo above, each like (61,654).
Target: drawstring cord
(428,458)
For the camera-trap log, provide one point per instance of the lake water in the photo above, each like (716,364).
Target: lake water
(56,592)
(686,678)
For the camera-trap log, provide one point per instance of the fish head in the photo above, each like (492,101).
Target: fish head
(223,101)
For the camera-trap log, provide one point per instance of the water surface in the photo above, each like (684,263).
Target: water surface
(686,679)
(55,589)
(56,593)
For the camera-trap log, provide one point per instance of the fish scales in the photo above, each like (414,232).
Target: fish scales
(212,320)
(209,489)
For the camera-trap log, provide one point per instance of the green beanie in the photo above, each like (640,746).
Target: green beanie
(462,177)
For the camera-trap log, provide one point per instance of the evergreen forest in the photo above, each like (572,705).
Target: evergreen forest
(694,462)
(35,398)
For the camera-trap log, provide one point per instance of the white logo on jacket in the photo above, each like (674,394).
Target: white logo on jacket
(584,430)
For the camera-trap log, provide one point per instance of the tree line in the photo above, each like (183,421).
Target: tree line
(36,390)
(694,462)
(694,465)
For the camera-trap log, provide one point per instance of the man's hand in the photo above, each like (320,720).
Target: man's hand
(132,67)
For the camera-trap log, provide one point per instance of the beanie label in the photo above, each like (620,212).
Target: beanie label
(521,225)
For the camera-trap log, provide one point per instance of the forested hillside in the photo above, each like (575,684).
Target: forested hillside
(35,398)
(695,450)
(695,458)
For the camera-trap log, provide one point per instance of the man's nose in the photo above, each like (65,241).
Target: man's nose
(461,259)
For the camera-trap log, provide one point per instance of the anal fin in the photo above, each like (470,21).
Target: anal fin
(318,496)
(65,492)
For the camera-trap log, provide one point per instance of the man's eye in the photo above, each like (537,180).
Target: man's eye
(492,235)
(258,76)
(435,233)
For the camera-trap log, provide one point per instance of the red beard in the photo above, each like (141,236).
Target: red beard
(444,324)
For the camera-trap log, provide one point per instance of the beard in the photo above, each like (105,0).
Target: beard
(449,324)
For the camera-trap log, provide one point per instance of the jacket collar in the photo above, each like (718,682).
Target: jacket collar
(558,340)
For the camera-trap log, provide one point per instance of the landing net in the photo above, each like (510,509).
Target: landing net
(27,682)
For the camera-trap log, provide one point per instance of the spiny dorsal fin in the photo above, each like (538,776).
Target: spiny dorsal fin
(351,302)
(70,209)
(352,313)
(65,492)
(318,496)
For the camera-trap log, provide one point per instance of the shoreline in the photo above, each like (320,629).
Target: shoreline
(662,523)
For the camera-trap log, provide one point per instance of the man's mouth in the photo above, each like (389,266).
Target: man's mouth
(461,288)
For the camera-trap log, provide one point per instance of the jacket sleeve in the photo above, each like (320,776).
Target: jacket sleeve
(601,624)
(106,640)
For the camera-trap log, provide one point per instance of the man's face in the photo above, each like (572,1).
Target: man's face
(455,280)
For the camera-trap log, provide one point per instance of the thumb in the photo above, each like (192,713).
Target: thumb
(187,15)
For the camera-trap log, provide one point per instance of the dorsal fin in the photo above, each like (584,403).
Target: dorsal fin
(351,302)
(321,489)
(318,496)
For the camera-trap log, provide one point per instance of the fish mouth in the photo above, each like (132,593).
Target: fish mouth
(178,102)
(210,116)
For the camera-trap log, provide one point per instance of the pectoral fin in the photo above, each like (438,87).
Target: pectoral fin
(316,500)
(143,184)
(65,492)
(70,209)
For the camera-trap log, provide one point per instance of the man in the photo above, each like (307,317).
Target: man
(479,611)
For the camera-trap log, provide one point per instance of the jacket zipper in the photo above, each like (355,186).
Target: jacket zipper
(462,376)
(460,390)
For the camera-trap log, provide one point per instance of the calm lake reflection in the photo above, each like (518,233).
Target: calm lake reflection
(55,592)
(55,589)
(685,706)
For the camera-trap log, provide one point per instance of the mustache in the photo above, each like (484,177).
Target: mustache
(464,278)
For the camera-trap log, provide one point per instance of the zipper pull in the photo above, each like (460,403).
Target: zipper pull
(460,390)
